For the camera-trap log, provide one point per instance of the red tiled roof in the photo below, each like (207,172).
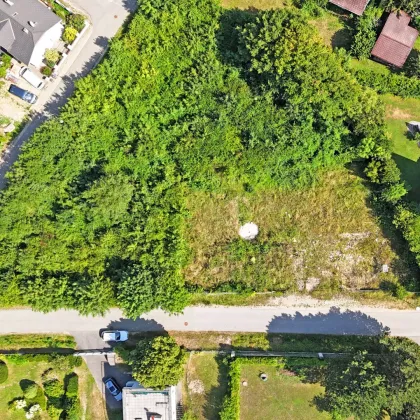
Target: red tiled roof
(355,6)
(396,40)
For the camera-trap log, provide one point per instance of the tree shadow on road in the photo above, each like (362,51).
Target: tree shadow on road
(138,325)
(334,322)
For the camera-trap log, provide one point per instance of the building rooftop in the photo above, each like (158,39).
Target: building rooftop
(355,6)
(396,40)
(143,404)
(22,24)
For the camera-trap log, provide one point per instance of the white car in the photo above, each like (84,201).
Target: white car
(114,335)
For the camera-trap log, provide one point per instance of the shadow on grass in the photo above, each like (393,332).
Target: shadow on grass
(214,398)
(410,171)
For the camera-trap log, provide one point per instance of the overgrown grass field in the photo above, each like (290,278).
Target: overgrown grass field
(280,397)
(321,238)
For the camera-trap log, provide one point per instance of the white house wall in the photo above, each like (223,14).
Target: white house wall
(48,40)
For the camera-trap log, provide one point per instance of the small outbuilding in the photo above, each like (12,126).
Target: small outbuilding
(354,6)
(396,40)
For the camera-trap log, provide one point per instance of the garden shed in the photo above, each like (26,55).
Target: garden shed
(354,6)
(396,40)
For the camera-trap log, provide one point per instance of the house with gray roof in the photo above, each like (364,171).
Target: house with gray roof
(27,29)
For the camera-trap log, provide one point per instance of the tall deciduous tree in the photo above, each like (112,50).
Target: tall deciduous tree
(367,385)
(157,363)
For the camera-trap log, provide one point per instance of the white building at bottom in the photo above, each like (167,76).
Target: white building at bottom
(144,404)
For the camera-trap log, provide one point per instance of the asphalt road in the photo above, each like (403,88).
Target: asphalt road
(106,17)
(322,320)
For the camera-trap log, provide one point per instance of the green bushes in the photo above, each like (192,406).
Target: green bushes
(30,391)
(412,7)
(407,218)
(5,61)
(53,388)
(72,385)
(76,21)
(46,71)
(157,362)
(366,387)
(4,372)
(365,36)
(21,359)
(397,84)
(412,66)
(69,34)
(312,7)
(52,55)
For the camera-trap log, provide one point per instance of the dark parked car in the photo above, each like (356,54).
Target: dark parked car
(113,388)
(23,94)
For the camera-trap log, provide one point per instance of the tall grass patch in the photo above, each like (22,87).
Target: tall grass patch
(322,237)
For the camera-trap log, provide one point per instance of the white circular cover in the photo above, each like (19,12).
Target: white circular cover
(248,231)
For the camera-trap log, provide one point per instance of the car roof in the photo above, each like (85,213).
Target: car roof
(109,334)
(14,88)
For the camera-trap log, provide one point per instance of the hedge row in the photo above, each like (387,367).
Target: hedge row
(4,372)
(396,84)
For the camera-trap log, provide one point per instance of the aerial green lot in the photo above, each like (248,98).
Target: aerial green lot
(205,385)
(280,397)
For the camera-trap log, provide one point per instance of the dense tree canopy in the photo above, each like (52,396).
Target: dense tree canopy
(157,363)
(366,386)
(187,99)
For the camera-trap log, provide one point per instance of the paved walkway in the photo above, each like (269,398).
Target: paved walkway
(318,320)
(106,17)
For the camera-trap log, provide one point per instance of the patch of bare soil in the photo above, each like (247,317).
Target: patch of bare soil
(397,114)
(196,387)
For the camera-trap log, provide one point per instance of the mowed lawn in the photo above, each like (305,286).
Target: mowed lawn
(205,385)
(399,111)
(280,397)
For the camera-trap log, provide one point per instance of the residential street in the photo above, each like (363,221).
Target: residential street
(322,320)
(106,17)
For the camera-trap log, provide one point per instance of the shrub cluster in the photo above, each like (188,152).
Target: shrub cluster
(76,21)
(4,372)
(157,362)
(5,61)
(72,385)
(365,35)
(397,84)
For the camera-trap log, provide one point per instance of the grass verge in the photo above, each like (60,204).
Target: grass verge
(209,340)
(27,341)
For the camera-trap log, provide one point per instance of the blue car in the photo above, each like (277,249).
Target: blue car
(23,94)
(113,388)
